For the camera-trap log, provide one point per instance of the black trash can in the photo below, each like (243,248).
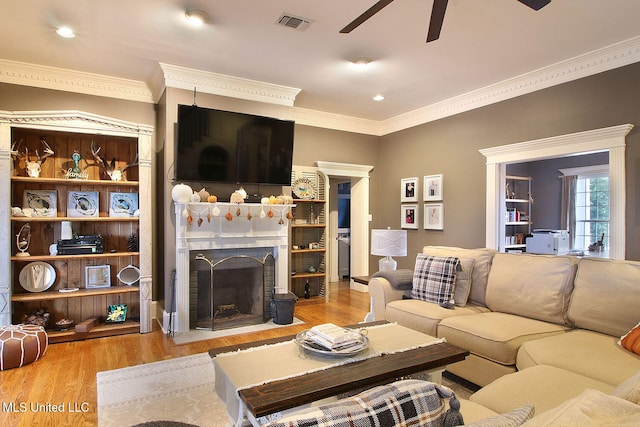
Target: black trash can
(282,307)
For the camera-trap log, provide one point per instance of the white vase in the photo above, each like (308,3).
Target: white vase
(181,193)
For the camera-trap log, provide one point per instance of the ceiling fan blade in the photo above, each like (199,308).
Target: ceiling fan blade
(366,15)
(535,4)
(437,17)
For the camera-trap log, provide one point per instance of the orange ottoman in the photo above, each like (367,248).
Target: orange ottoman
(21,345)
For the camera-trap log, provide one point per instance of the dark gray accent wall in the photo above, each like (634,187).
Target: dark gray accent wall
(547,185)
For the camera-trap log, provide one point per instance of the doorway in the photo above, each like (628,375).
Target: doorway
(358,177)
(344,228)
(611,139)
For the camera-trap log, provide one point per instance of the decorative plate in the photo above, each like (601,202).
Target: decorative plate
(303,188)
(307,344)
(37,276)
(123,204)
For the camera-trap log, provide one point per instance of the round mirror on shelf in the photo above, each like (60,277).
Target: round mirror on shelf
(129,274)
(37,276)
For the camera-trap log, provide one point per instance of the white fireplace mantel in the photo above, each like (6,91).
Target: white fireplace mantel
(212,226)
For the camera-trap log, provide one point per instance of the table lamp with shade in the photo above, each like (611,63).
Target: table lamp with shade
(388,243)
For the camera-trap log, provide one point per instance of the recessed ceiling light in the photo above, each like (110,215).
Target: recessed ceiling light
(66,32)
(378,98)
(196,17)
(361,64)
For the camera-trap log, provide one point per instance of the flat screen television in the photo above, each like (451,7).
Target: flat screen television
(227,147)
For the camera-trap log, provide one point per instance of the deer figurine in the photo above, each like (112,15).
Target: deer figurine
(33,167)
(110,168)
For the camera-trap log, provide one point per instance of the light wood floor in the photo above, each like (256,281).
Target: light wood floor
(66,376)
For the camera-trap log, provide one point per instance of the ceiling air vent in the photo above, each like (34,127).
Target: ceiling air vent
(295,22)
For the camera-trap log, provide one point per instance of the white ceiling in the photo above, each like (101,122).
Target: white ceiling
(482,43)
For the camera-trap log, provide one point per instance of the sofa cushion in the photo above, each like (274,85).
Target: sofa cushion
(513,418)
(481,266)
(462,286)
(590,408)
(406,402)
(614,286)
(629,389)
(631,340)
(495,336)
(535,286)
(543,386)
(424,316)
(584,352)
(433,278)
(472,412)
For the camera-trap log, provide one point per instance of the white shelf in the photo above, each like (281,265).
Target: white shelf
(518,198)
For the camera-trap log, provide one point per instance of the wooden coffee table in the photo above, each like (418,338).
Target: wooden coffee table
(277,396)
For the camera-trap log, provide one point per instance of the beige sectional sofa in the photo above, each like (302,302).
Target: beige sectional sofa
(540,329)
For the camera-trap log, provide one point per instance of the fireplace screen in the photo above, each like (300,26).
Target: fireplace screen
(229,291)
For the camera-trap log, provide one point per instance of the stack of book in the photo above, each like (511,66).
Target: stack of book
(335,338)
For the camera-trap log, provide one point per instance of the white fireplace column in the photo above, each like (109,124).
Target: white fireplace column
(216,231)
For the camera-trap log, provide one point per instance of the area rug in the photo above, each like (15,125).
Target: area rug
(175,390)
(199,335)
(178,390)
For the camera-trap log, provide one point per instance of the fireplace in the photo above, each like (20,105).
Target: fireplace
(230,288)
(247,236)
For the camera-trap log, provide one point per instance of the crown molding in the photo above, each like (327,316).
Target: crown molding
(24,74)
(590,141)
(608,58)
(344,169)
(322,119)
(78,121)
(220,84)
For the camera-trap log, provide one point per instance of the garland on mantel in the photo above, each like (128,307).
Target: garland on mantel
(211,210)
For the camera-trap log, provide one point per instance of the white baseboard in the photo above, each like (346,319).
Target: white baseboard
(358,287)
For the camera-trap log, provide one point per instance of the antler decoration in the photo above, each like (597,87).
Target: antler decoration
(114,173)
(33,167)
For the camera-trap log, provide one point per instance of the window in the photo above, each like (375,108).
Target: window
(586,206)
(592,210)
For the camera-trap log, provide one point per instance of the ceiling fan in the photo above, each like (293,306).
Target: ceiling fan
(437,15)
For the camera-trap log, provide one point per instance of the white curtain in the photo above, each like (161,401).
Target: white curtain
(568,218)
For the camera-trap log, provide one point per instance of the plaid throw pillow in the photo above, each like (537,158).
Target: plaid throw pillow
(434,278)
(402,403)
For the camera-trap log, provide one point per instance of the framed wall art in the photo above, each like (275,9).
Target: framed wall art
(434,216)
(123,204)
(409,190)
(409,216)
(97,276)
(432,188)
(116,313)
(40,202)
(83,204)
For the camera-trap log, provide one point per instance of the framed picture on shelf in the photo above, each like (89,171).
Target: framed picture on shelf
(432,188)
(97,276)
(409,190)
(40,202)
(116,313)
(434,216)
(83,204)
(409,216)
(123,204)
